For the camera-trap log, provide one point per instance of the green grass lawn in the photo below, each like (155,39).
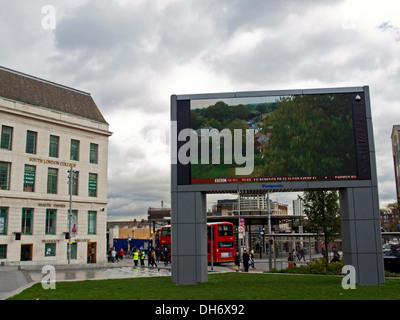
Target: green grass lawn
(226,286)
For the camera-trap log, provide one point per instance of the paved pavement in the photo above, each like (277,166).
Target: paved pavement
(14,279)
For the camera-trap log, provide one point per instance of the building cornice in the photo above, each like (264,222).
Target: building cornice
(55,117)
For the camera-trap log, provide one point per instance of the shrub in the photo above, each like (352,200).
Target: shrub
(317,266)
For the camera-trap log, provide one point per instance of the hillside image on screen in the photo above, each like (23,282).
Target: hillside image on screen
(296,137)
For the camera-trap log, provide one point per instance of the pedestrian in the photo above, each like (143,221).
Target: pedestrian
(246,259)
(252,259)
(121,253)
(294,254)
(113,254)
(142,256)
(165,256)
(336,255)
(276,249)
(153,258)
(291,259)
(301,255)
(136,257)
(237,262)
(158,253)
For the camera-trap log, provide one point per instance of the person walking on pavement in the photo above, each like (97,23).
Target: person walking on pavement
(252,259)
(246,259)
(113,254)
(336,255)
(237,262)
(136,257)
(294,254)
(165,256)
(142,256)
(158,253)
(153,258)
(302,254)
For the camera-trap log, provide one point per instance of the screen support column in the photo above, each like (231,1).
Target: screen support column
(361,235)
(189,238)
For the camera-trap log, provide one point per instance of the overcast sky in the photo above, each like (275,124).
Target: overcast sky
(131,55)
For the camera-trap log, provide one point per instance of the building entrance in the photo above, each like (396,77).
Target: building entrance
(26,252)
(92,246)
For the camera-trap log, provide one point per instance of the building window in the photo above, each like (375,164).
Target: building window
(29,178)
(50,221)
(50,250)
(94,152)
(3,251)
(74,154)
(31,139)
(3,220)
(5,171)
(52,177)
(6,137)
(74,184)
(53,146)
(92,184)
(74,223)
(27,220)
(92,215)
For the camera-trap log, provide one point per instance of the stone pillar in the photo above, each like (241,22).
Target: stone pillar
(189,238)
(361,235)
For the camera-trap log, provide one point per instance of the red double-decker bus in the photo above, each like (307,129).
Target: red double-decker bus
(219,234)
(220,242)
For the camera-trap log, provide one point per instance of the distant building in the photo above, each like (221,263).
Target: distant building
(249,204)
(396,156)
(298,209)
(46,128)
(253,202)
(224,207)
(390,218)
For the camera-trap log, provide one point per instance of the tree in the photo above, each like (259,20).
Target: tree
(322,210)
(219,111)
(310,136)
(240,112)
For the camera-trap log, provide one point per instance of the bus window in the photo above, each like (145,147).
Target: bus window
(225,244)
(225,230)
(166,232)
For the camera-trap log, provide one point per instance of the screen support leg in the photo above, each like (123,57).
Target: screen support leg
(189,238)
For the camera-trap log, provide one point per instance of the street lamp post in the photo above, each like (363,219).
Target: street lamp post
(239,236)
(269,232)
(212,246)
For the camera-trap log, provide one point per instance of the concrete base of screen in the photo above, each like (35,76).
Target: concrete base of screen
(189,238)
(361,234)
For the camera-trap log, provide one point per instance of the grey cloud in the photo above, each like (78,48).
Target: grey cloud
(124,54)
(131,194)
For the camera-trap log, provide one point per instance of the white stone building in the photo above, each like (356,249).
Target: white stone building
(46,128)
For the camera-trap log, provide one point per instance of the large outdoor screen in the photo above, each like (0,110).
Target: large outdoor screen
(304,137)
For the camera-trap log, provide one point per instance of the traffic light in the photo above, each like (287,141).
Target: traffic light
(67,235)
(17,235)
